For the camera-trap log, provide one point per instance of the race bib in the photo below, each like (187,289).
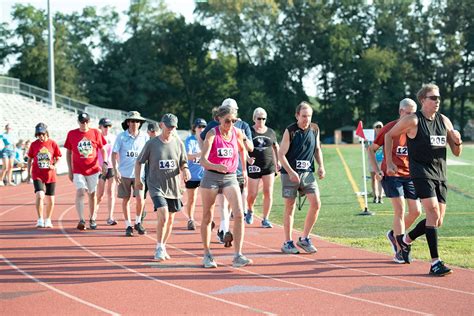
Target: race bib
(438,141)
(402,151)
(132,154)
(254,169)
(84,146)
(167,164)
(44,160)
(302,164)
(197,159)
(225,152)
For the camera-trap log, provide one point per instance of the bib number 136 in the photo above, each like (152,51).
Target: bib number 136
(225,152)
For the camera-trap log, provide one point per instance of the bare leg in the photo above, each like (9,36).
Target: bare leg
(232,194)
(313,213)
(126,209)
(190,203)
(92,205)
(80,193)
(289,218)
(169,226)
(268,181)
(111,197)
(49,199)
(161,225)
(252,192)
(39,203)
(208,202)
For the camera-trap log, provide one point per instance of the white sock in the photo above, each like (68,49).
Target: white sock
(138,220)
(435,262)
(405,240)
(158,245)
(127,223)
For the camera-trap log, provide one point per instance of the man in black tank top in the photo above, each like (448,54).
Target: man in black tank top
(299,148)
(429,132)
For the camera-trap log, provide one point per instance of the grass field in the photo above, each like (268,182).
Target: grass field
(339,221)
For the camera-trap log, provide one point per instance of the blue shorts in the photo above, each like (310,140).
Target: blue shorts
(7,153)
(173,205)
(399,187)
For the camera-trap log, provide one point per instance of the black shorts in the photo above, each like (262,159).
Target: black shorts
(39,186)
(192,184)
(428,188)
(110,174)
(257,173)
(173,205)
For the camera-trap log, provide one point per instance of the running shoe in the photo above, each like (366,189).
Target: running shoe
(129,231)
(208,261)
(380,201)
(228,238)
(289,248)
(40,223)
(266,223)
(81,225)
(191,225)
(111,222)
(48,223)
(392,240)
(398,258)
(167,256)
(140,229)
(249,217)
(405,250)
(439,269)
(306,245)
(241,261)
(220,236)
(213,224)
(160,254)
(2,184)
(92,224)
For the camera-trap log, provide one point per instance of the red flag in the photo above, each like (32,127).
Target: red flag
(360,130)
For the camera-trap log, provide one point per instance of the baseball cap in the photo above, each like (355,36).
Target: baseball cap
(230,103)
(40,128)
(199,122)
(170,120)
(83,117)
(152,127)
(105,122)
(378,123)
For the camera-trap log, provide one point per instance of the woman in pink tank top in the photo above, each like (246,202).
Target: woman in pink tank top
(220,160)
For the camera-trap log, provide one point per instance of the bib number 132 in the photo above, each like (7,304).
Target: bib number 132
(167,164)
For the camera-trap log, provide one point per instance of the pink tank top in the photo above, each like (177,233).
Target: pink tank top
(225,152)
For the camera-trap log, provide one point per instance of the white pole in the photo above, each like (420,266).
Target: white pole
(51,84)
(365,175)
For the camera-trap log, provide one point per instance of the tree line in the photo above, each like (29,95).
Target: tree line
(364,58)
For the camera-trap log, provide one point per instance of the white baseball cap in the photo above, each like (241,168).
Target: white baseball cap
(230,103)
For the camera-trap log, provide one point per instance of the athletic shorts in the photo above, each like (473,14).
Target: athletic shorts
(399,187)
(125,189)
(192,184)
(86,182)
(109,175)
(218,181)
(307,185)
(241,181)
(40,185)
(428,188)
(7,153)
(255,172)
(173,205)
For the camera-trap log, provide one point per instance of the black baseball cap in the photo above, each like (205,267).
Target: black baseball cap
(40,128)
(200,122)
(105,122)
(83,117)
(152,127)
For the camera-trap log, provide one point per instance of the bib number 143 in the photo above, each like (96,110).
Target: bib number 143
(167,164)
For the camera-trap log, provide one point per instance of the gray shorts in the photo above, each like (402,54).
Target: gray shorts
(306,185)
(218,181)
(125,189)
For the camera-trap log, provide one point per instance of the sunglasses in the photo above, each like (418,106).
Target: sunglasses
(228,121)
(202,126)
(433,97)
(134,121)
(378,126)
(85,122)
(261,118)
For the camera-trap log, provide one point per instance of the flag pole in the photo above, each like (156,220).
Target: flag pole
(360,133)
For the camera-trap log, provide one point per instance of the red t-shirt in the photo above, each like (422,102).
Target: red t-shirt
(44,154)
(84,146)
(399,151)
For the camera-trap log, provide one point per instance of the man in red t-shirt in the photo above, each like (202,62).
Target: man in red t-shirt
(43,155)
(399,186)
(82,146)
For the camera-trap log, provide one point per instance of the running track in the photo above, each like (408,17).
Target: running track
(64,271)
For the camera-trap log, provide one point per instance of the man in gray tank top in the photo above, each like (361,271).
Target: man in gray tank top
(428,134)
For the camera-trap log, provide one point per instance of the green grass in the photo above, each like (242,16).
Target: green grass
(338,220)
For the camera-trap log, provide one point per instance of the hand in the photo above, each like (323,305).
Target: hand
(104,169)
(246,179)
(321,172)
(278,165)
(70,175)
(250,160)
(379,175)
(138,184)
(294,177)
(52,167)
(220,168)
(391,169)
(186,175)
(118,177)
(456,136)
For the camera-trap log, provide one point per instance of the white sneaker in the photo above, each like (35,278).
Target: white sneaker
(2,184)
(40,223)
(47,223)
(160,254)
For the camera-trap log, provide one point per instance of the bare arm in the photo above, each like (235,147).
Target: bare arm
(206,148)
(454,137)
(243,153)
(318,155)
(371,154)
(115,158)
(284,146)
(138,172)
(275,150)
(69,163)
(407,125)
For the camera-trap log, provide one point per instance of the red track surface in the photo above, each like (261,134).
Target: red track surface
(64,271)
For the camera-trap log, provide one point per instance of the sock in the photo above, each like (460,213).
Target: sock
(418,231)
(432,239)
(435,262)
(404,238)
(237,254)
(138,220)
(127,223)
(158,245)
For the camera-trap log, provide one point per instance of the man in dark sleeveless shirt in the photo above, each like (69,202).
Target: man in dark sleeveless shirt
(299,148)
(428,134)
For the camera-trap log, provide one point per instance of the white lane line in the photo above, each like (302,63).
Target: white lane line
(460,174)
(264,276)
(246,307)
(52,288)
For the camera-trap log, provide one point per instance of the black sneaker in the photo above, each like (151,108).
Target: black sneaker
(228,238)
(220,236)
(140,229)
(439,269)
(213,225)
(129,231)
(191,225)
(92,224)
(81,225)
(405,250)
